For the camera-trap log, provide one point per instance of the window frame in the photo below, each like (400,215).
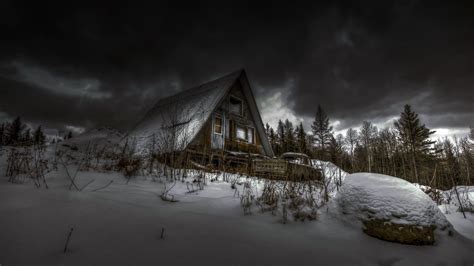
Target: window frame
(216,116)
(253,135)
(244,128)
(241,113)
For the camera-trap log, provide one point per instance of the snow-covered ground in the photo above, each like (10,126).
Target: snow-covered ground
(466,197)
(450,207)
(464,226)
(122,225)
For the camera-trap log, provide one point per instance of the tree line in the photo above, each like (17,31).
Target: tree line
(405,149)
(18,133)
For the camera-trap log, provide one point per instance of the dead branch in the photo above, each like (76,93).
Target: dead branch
(87,184)
(68,174)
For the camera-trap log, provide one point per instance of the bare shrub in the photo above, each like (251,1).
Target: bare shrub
(29,161)
(247,197)
(166,195)
(68,159)
(18,164)
(299,200)
(130,166)
(435,194)
(129,161)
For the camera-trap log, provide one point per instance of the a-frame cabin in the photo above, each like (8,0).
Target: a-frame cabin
(218,117)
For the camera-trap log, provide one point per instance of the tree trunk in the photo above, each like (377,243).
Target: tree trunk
(415,170)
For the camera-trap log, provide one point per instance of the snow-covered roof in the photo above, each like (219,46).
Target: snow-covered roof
(185,113)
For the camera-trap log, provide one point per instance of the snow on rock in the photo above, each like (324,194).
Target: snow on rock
(383,201)
(377,196)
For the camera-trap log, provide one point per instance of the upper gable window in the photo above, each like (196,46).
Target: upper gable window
(235,106)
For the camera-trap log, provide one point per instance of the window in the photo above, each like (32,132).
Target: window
(246,134)
(235,105)
(217,125)
(240,133)
(250,135)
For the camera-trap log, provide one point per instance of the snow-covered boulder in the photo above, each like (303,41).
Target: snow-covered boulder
(391,208)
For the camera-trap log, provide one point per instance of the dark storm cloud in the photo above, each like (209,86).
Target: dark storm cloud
(388,56)
(62,64)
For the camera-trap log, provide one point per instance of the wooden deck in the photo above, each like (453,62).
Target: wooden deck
(247,164)
(280,169)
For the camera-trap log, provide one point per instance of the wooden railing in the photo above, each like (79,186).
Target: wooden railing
(283,170)
(232,145)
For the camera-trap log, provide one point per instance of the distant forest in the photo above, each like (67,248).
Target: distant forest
(404,150)
(18,133)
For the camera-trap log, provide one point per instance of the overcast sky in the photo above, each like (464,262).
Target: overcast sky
(66,66)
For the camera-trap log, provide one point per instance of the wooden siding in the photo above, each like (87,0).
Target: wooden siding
(205,140)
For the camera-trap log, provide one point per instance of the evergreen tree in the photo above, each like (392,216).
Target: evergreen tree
(290,143)
(414,136)
(267,130)
(301,139)
(467,159)
(27,136)
(2,134)
(471,136)
(309,148)
(15,131)
(281,137)
(336,149)
(452,162)
(322,132)
(274,141)
(39,137)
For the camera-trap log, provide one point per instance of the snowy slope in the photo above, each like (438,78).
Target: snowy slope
(122,224)
(334,175)
(464,226)
(466,196)
(329,168)
(103,136)
(452,211)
